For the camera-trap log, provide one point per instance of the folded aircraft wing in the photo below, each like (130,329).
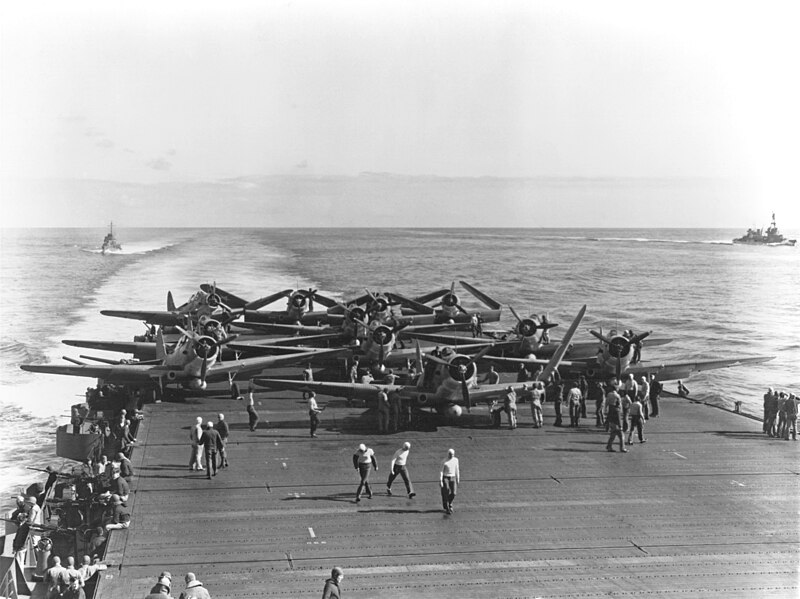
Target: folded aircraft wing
(159,317)
(681,370)
(249,366)
(352,390)
(117,374)
(142,350)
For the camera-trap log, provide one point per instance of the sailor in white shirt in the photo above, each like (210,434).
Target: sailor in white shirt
(398,466)
(449,477)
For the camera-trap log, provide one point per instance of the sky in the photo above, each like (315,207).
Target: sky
(173,99)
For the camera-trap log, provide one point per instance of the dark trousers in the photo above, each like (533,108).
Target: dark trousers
(615,432)
(363,471)
(574,414)
(654,405)
(211,462)
(314,421)
(557,407)
(449,488)
(223,455)
(403,472)
(636,424)
(253,419)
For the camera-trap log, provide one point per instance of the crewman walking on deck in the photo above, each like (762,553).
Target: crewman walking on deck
(399,466)
(252,415)
(364,462)
(331,589)
(212,443)
(313,411)
(637,421)
(224,431)
(449,477)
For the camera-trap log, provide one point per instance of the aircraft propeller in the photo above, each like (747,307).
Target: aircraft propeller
(620,346)
(450,300)
(462,368)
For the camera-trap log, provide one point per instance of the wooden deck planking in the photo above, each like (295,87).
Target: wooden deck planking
(708,507)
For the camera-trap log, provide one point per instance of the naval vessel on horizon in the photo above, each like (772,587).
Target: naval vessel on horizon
(771,236)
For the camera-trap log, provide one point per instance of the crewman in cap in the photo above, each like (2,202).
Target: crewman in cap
(120,516)
(212,443)
(194,588)
(332,590)
(195,458)
(161,589)
(364,462)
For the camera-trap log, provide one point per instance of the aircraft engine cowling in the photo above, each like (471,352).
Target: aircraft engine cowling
(298,301)
(205,347)
(461,366)
(450,304)
(378,305)
(213,300)
(527,327)
(382,335)
(171,375)
(619,347)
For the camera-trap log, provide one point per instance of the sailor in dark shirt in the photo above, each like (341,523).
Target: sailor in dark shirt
(119,486)
(222,428)
(119,515)
(211,442)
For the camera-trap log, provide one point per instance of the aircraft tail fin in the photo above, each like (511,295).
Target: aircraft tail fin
(170,302)
(492,304)
(161,348)
(552,365)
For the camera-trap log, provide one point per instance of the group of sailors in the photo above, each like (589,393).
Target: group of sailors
(76,509)
(780,414)
(575,394)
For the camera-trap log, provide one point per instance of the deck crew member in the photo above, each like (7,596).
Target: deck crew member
(224,432)
(194,588)
(313,411)
(449,477)
(196,459)
(119,516)
(492,377)
(510,406)
(791,417)
(655,394)
(332,590)
(637,421)
(364,462)
(252,415)
(537,393)
(399,466)
(212,443)
(574,400)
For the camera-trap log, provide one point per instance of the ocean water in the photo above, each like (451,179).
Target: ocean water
(714,299)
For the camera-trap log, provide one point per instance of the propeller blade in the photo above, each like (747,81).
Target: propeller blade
(462,310)
(601,337)
(203,370)
(381,355)
(419,357)
(636,339)
(619,367)
(481,353)
(514,312)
